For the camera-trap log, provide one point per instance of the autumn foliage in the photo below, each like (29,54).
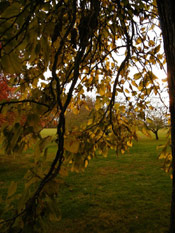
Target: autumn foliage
(6,93)
(102,47)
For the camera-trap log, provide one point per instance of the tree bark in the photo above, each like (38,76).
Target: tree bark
(156,134)
(166,11)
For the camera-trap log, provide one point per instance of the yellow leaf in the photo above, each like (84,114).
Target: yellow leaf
(102,90)
(164,80)
(126,90)
(122,109)
(156,49)
(35,82)
(75,111)
(146,132)
(152,59)
(134,83)
(138,41)
(140,88)
(113,65)
(12,189)
(86,107)
(90,121)
(122,151)
(105,154)
(152,75)
(129,143)
(72,145)
(162,156)
(151,43)
(86,163)
(97,106)
(134,93)
(137,76)
(107,65)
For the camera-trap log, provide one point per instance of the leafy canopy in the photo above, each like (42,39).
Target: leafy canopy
(88,47)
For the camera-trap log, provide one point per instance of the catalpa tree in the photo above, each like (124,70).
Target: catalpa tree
(86,46)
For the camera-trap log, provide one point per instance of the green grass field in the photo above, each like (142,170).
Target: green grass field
(125,194)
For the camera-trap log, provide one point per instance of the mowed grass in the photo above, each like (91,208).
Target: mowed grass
(125,194)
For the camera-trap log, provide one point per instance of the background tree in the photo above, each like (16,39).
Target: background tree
(155,118)
(80,43)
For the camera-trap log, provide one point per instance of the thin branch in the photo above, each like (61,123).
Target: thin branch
(22,102)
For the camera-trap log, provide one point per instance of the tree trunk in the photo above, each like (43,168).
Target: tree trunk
(166,10)
(156,134)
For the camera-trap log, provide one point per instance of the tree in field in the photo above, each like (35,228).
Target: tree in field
(88,46)
(155,118)
(154,124)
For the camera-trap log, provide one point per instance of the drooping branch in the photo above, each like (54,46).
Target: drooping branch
(91,48)
(22,102)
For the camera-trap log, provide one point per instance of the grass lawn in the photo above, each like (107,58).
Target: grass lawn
(127,194)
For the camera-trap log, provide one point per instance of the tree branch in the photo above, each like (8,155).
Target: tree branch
(22,102)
